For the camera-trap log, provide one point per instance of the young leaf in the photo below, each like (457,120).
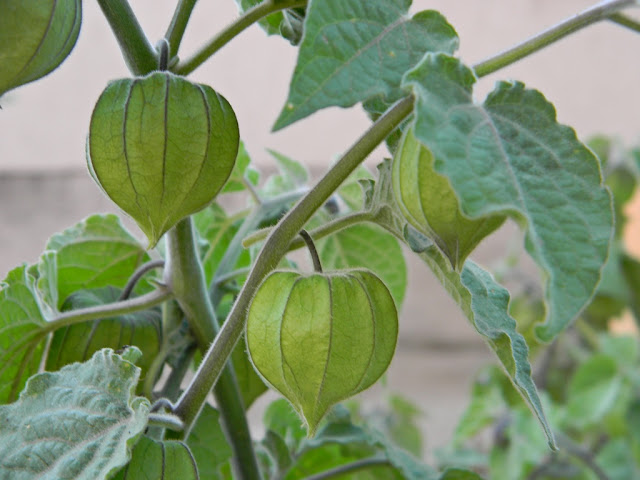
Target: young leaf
(241,171)
(510,156)
(292,175)
(352,51)
(208,444)
(94,253)
(77,343)
(164,460)
(23,316)
(368,245)
(76,423)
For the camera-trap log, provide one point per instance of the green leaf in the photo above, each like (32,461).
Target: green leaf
(241,172)
(77,343)
(372,44)
(160,460)
(250,384)
(510,156)
(218,229)
(77,423)
(209,444)
(292,175)
(23,317)
(616,460)
(593,390)
(36,36)
(631,271)
(483,301)
(281,418)
(367,246)
(351,191)
(97,252)
(459,474)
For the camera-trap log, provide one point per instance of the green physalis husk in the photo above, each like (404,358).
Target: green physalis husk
(35,37)
(321,338)
(161,148)
(430,205)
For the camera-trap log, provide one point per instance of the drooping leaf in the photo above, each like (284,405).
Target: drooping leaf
(23,317)
(209,444)
(483,301)
(159,460)
(352,51)
(368,245)
(77,423)
(36,36)
(97,252)
(77,343)
(510,156)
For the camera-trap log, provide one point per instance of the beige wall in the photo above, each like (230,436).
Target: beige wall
(592,78)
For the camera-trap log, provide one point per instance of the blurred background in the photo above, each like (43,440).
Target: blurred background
(592,78)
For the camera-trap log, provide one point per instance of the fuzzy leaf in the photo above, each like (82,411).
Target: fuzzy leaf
(23,318)
(352,51)
(77,343)
(510,156)
(483,301)
(165,460)
(97,252)
(77,423)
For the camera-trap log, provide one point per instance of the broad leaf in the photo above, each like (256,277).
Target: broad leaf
(160,460)
(77,423)
(23,317)
(97,252)
(352,51)
(208,444)
(370,247)
(483,301)
(77,343)
(594,390)
(510,156)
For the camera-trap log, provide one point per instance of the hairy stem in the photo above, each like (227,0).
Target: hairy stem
(185,275)
(600,11)
(251,16)
(356,466)
(272,252)
(165,420)
(328,228)
(133,305)
(138,53)
(178,25)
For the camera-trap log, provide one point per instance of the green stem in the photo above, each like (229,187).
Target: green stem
(165,420)
(178,25)
(137,276)
(356,466)
(313,251)
(138,53)
(328,228)
(272,252)
(625,21)
(249,17)
(185,275)
(600,11)
(132,305)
